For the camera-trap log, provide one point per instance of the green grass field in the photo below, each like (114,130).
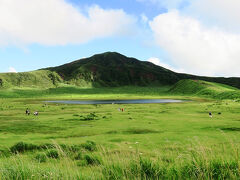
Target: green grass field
(146,141)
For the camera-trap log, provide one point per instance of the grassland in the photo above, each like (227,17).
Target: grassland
(146,141)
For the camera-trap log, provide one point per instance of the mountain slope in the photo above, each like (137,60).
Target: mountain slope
(232,81)
(114,69)
(204,88)
(40,78)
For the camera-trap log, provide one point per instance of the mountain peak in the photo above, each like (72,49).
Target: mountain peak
(114,69)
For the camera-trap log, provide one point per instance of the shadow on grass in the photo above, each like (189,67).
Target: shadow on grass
(29,127)
(134,131)
(230,129)
(233,129)
(140,131)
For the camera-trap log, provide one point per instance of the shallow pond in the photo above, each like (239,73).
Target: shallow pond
(130,101)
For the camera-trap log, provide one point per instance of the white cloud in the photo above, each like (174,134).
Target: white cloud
(197,48)
(12,70)
(223,13)
(144,18)
(159,62)
(56,22)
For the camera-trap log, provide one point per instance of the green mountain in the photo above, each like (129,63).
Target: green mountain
(33,79)
(107,69)
(114,69)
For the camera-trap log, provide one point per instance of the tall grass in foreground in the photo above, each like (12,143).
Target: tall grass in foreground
(62,162)
(193,164)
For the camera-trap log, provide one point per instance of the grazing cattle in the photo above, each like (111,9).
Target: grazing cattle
(210,114)
(27,112)
(35,113)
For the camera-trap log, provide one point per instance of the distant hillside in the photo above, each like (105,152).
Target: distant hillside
(41,78)
(232,81)
(104,70)
(204,88)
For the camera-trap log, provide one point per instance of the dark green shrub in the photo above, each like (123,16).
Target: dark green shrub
(47,146)
(82,163)
(53,154)
(64,147)
(41,157)
(79,156)
(89,117)
(22,147)
(75,148)
(5,153)
(89,145)
(140,131)
(149,169)
(92,160)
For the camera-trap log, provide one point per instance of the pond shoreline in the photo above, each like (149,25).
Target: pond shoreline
(130,101)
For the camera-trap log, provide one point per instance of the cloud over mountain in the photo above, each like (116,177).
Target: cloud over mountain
(56,22)
(207,46)
(12,70)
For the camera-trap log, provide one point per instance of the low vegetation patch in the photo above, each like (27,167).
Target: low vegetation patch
(53,154)
(92,159)
(230,129)
(112,132)
(23,147)
(140,131)
(87,117)
(89,145)
(41,157)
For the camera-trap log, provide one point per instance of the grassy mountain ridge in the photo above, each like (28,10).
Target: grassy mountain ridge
(109,69)
(204,88)
(33,79)
(231,81)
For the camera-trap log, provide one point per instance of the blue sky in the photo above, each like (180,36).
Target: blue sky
(26,57)
(34,56)
(192,36)
(130,6)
